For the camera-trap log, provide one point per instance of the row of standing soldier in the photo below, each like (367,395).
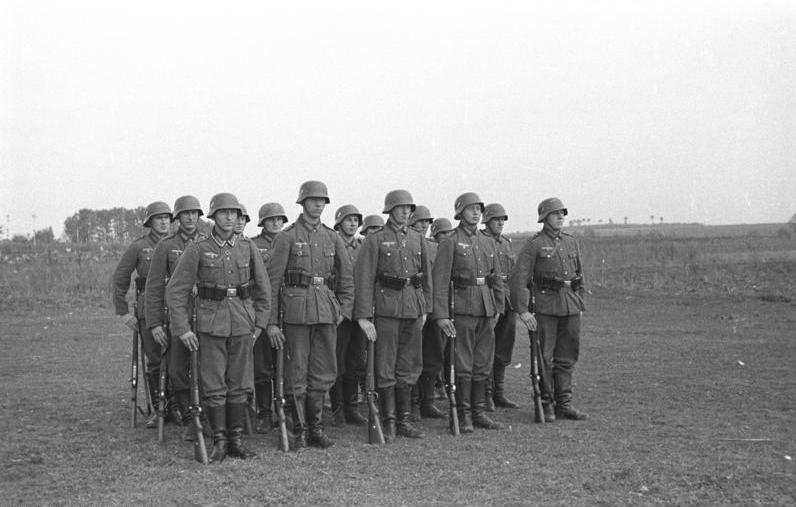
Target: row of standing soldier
(320,293)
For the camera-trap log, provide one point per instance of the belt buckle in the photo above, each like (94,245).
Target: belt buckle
(480,281)
(317,280)
(232,292)
(567,283)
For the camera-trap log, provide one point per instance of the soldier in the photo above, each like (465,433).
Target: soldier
(433,339)
(393,289)
(370,224)
(137,258)
(232,310)
(272,218)
(351,345)
(164,260)
(310,265)
(469,261)
(495,218)
(549,270)
(242,220)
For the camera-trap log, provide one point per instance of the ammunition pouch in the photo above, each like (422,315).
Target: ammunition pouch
(398,282)
(295,278)
(221,293)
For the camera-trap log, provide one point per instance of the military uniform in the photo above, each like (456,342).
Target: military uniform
(433,354)
(506,327)
(393,288)
(263,352)
(162,265)
(310,264)
(233,297)
(470,260)
(138,257)
(549,263)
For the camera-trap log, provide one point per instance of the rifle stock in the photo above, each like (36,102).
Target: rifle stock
(536,380)
(453,415)
(162,379)
(279,401)
(375,432)
(199,446)
(134,381)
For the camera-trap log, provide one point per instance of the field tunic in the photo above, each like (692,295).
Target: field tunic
(398,252)
(353,248)
(467,255)
(311,251)
(162,265)
(265,245)
(212,262)
(506,258)
(431,248)
(549,255)
(136,258)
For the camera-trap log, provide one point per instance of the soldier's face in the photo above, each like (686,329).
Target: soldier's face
(240,224)
(273,224)
(225,220)
(555,220)
(422,226)
(495,225)
(313,207)
(400,214)
(349,225)
(189,220)
(160,223)
(471,215)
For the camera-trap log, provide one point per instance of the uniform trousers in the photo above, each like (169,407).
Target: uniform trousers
(151,349)
(559,337)
(310,363)
(352,351)
(179,364)
(398,351)
(475,347)
(433,349)
(505,331)
(225,367)
(263,360)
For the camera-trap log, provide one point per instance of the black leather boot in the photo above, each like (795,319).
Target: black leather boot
(297,404)
(403,401)
(236,415)
(263,395)
(463,408)
(350,399)
(499,395)
(336,399)
(153,379)
(480,419)
(490,402)
(414,398)
(317,438)
(427,408)
(549,414)
(218,421)
(183,400)
(387,397)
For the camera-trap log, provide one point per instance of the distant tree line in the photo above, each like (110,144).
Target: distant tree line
(115,225)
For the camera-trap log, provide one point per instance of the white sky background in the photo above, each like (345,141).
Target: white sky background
(684,110)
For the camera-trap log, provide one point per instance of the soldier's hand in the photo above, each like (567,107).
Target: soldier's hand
(257,332)
(447,327)
(529,320)
(275,336)
(189,340)
(368,328)
(130,321)
(340,319)
(423,319)
(160,336)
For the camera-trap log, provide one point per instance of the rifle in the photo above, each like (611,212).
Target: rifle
(161,407)
(134,381)
(537,374)
(375,433)
(452,413)
(199,446)
(279,399)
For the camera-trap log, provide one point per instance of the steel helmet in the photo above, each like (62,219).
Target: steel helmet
(224,200)
(312,188)
(186,203)
(464,200)
(397,198)
(548,206)
(420,213)
(372,221)
(245,214)
(270,210)
(440,225)
(344,211)
(494,210)
(156,208)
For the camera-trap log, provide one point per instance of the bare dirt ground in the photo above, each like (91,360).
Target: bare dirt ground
(692,402)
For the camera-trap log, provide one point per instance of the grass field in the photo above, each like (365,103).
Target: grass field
(692,402)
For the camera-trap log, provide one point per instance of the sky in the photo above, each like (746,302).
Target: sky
(680,110)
